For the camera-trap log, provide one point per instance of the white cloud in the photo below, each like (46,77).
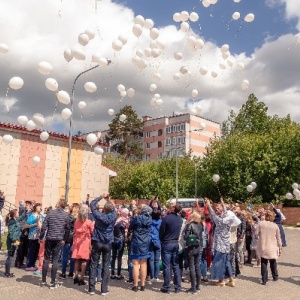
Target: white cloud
(34,32)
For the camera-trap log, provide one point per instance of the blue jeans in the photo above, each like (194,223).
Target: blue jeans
(99,272)
(154,261)
(66,253)
(129,263)
(169,254)
(203,264)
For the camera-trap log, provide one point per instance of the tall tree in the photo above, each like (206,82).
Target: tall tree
(125,135)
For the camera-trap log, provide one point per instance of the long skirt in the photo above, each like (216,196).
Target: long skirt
(221,267)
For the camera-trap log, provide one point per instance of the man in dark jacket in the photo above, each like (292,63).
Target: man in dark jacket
(55,230)
(169,235)
(2,200)
(102,239)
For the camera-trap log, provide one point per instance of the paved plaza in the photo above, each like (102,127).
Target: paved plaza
(26,286)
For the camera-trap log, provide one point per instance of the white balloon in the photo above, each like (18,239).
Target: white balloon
(156,96)
(153,87)
(111,112)
(185,26)
(79,54)
(159,101)
(213,1)
(51,84)
(63,97)
(38,119)
(236,15)
(193,111)
(82,104)
(90,87)
(222,66)
(296,192)
(139,20)
(295,185)
(245,85)
(224,48)
(225,55)
(191,40)
(254,184)
(122,118)
(157,76)
(147,52)
(289,196)
(103,62)
(68,54)
(83,39)
(154,33)
(16,83)
(178,55)
(123,94)
(203,70)
(194,93)
(131,92)
(98,150)
(91,139)
(250,188)
(199,43)
(229,63)
(44,68)
(36,160)
(184,70)
(117,45)
(184,16)
(139,53)
(176,76)
(249,18)
(22,120)
(155,52)
(206,3)
(7,139)
(123,38)
(137,30)
(66,113)
(96,57)
(194,17)
(177,17)
(236,1)
(216,177)
(90,32)
(30,125)
(202,125)
(44,136)
(3,48)
(214,74)
(240,66)
(148,23)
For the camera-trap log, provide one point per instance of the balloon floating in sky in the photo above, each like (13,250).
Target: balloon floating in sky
(90,87)
(137,30)
(148,23)
(51,84)
(63,97)
(236,15)
(123,38)
(117,45)
(131,92)
(289,196)
(98,150)
(91,139)
(140,20)
(83,39)
(249,18)
(38,119)
(203,70)
(66,113)
(194,17)
(103,62)
(111,112)
(44,136)
(122,118)
(90,32)
(245,85)
(3,48)
(240,66)
(22,120)
(153,87)
(176,17)
(68,54)
(82,104)
(36,160)
(195,93)
(79,54)
(44,68)
(16,83)
(202,125)
(30,125)
(7,139)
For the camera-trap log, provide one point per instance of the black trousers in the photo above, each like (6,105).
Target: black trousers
(99,249)
(264,269)
(51,248)
(22,251)
(117,254)
(193,256)
(248,248)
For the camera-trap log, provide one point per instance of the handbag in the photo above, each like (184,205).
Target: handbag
(192,239)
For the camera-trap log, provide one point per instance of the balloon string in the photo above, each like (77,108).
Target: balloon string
(60,10)
(6,92)
(238,31)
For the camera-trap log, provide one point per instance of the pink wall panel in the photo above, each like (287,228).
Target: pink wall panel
(30,181)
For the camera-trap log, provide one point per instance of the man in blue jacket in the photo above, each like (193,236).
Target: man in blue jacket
(169,235)
(102,239)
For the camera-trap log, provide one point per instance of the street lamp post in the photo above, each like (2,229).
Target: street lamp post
(176,180)
(67,186)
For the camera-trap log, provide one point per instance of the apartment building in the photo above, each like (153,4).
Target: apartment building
(179,133)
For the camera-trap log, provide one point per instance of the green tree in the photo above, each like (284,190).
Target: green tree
(125,134)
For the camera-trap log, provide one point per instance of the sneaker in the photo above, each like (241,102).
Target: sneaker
(91,293)
(165,291)
(62,276)
(191,291)
(71,275)
(129,281)
(10,275)
(120,277)
(55,285)
(37,272)
(43,283)
(113,277)
(104,294)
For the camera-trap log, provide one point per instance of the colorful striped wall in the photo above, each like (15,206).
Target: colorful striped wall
(45,182)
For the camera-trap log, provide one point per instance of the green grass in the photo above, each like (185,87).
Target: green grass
(4,241)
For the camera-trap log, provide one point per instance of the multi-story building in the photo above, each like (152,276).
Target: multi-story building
(167,136)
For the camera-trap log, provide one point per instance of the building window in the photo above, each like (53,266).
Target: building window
(148,134)
(159,132)
(174,128)
(159,155)
(147,157)
(159,144)
(174,140)
(168,141)
(182,127)
(183,140)
(147,145)
(179,140)
(178,127)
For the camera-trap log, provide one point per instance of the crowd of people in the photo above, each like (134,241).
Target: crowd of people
(90,240)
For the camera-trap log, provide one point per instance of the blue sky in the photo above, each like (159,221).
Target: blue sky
(268,48)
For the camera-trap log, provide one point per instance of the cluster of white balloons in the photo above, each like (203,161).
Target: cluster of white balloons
(296,192)
(140,23)
(156,101)
(251,187)
(123,93)
(195,110)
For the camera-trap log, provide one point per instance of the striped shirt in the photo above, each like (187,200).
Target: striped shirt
(55,226)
